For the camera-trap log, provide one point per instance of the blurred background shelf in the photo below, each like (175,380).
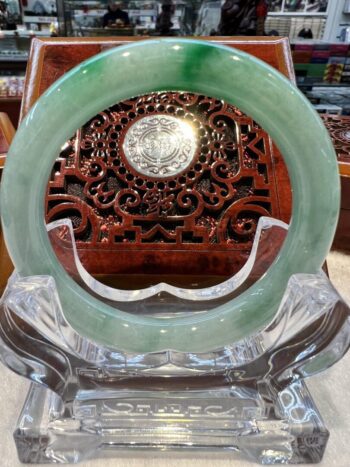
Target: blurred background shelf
(322,64)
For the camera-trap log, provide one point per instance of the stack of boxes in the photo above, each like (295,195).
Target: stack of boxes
(321,63)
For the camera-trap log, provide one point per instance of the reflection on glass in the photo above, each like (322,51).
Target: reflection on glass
(317,6)
(144,17)
(275,5)
(10,14)
(295,5)
(298,6)
(181,18)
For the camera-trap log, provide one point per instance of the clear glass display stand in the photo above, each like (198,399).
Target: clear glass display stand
(249,396)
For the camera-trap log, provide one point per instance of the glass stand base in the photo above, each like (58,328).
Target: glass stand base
(284,427)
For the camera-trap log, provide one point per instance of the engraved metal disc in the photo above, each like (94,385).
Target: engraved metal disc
(160,145)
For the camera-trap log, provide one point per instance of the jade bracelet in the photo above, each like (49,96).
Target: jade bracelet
(172,65)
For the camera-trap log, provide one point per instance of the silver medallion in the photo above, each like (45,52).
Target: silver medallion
(160,146)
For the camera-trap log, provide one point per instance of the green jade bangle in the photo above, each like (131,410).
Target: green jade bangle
(173,65)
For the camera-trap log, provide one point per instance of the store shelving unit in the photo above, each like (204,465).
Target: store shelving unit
(325,18)
(14,52)
(291,17)
(286,17)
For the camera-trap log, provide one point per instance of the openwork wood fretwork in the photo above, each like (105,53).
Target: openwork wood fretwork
(199,220)
(339,130)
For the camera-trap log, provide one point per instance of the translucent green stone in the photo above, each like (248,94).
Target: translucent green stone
(173,65)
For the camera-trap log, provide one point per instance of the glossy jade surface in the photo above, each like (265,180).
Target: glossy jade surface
(173,65)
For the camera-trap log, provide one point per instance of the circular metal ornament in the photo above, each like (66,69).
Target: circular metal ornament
(173,65)
(160,146)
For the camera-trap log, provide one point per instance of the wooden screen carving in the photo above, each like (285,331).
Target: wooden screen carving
(202,220)
(339,130)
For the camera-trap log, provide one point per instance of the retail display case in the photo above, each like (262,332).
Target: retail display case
(322,67)
(80,18)
(14,52)
(40,16)
(19,22)
(298,18)
(285,17)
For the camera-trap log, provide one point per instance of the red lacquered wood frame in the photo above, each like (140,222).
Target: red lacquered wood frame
(7,132)
(50,58)
(124,243)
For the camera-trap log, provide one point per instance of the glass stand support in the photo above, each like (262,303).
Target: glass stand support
(87,400)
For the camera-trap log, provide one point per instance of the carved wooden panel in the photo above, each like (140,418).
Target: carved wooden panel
(219,247)
(212,206)
(339,130)
(200,222)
